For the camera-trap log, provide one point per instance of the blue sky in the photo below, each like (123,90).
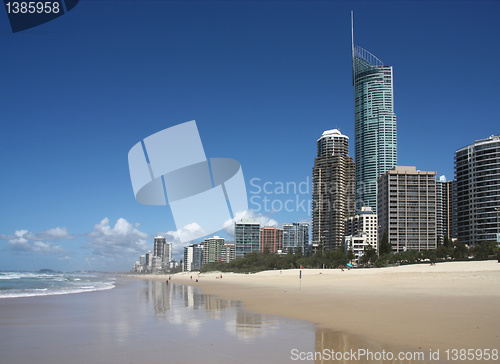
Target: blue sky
(262,79)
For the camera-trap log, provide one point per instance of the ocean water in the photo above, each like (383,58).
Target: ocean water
(30,284)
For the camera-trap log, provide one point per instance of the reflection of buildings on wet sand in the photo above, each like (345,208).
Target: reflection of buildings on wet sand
(366,351)
(175,303)
(247,325)
(158,293)
(162,296)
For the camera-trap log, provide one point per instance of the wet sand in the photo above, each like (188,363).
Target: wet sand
(411,308)
(144,322)
(443,306)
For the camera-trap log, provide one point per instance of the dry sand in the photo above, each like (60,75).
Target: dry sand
(447,305)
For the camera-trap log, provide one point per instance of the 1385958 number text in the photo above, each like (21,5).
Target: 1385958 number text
(472,354)
(33,7)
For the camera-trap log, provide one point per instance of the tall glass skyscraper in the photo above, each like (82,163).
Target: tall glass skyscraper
(375,123)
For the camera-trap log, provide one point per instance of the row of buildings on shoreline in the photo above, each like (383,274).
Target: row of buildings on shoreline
(356,201)
(416,210)
(249,237)
(158,260)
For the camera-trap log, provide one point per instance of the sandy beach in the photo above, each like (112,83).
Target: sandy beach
(145,321)
(443,306)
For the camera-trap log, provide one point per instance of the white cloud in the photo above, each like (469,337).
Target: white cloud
(189,233)
(47,248)
(52,234)
(248,214)
(122,241)
(25,241)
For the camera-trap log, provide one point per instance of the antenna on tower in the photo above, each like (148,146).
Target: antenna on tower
(352,44)
(352,33)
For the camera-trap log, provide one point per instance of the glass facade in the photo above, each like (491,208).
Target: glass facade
(295,237)
(477,179)
(375,124)
(246,237)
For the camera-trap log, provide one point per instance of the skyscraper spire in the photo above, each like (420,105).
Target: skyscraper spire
(375,122)
(352,43)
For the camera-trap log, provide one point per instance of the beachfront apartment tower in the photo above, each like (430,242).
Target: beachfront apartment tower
(364,224)
(159,246)
(163,250)
(246,237)
(374,123)
(148,261)
(444,209)
(271,239)
(193,257)
(333,189)
(407,208)
(296,237)
(188,258)
(361,231)
(217,250)
(477,179)
(213,249)
(198,253)
(227,252)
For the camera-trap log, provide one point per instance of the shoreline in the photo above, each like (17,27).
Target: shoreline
(144,321)
(443,306)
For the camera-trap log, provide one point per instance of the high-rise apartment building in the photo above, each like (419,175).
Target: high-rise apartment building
(217,250)
(271,239)
(444,209)
(193,257)
(296,237)
(168,254)
(375,123)
(198,253)
(148,261)
(364,224)
(333,189)
(163,250)
(159,246)
(361,231)
(407,208)
(188,258)
(227,252)
(156,265)
(477,178)
(212,249)
(246,237)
